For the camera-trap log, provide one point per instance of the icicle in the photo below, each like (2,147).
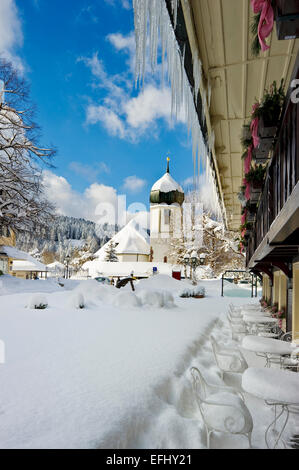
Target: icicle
(151,18)
(174,4)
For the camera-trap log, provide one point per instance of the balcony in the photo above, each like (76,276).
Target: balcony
(276,230)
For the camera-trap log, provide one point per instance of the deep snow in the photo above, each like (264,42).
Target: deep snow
(112,375)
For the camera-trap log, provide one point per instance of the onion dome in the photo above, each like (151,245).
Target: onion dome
(166,190)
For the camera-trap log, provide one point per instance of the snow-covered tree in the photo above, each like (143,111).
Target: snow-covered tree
(22,203)
(204,235)
(111,255)
(220,247)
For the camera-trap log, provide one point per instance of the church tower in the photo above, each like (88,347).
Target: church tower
(166,216)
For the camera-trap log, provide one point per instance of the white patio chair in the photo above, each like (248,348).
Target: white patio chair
(238,328)
(235,319)
(235,311)
(221,408)
(228,359)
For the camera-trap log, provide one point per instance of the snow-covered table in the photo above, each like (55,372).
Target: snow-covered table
(255,313)
(259,319)
(278,388)
(259,324)
(258,344)
(252,306)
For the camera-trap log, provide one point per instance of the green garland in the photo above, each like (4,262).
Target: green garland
(256,174)
(272,103)
(255,46)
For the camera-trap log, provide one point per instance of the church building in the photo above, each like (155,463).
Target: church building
(166,216)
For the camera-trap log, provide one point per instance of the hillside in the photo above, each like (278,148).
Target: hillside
(65,236)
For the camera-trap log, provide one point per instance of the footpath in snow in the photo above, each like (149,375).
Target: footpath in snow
(112,375)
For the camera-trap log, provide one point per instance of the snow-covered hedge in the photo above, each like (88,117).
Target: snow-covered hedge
(127,299)
(156,298)
(38,302)
(196,291)
(77,300)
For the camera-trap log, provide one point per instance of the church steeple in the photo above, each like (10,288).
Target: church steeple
(166,190)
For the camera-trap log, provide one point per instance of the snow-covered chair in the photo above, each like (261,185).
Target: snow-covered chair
(228,359)
(233,319)
(238,328)
(235,311)
(222,409)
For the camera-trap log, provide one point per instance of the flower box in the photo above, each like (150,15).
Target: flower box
(255,193)
(198,297)
(268,129)
(251,217)
(287,19)
(263,150)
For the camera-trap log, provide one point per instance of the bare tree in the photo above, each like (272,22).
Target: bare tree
(23,206)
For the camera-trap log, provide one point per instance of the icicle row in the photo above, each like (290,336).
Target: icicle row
(151,17)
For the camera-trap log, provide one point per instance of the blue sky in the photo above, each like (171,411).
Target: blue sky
(111,137)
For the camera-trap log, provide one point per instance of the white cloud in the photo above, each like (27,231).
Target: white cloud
(134,184)
(98,203)
(121,42)
(75,204)
(11,36)
(110,120)
(126,4)
(121,114)
(89,172)
(87,14)
(151,104)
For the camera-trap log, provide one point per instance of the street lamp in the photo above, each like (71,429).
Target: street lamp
(202,258)
(194,264)
(186,262)
(67,261)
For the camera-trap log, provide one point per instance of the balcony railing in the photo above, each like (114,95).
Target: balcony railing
(282,173)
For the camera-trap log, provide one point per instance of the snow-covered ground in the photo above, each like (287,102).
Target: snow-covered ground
(114,374)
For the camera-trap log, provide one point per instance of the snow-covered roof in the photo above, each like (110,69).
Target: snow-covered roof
(55,265)
(140,269)
(133,243)
(22,261)
(13,252)
(27,265)
(166,184)
(128,237)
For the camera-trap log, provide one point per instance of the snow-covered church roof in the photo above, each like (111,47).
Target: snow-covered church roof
(167,191)
(167,184)
(133,242)
(129,240)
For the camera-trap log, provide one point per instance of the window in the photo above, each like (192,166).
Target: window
(167,216)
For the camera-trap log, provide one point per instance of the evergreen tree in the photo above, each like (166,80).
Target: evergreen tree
(111,256)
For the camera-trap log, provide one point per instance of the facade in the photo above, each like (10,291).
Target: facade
(273,248)
(133,248)
(20,264)
(7,238)
(166,216)
(16,262)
